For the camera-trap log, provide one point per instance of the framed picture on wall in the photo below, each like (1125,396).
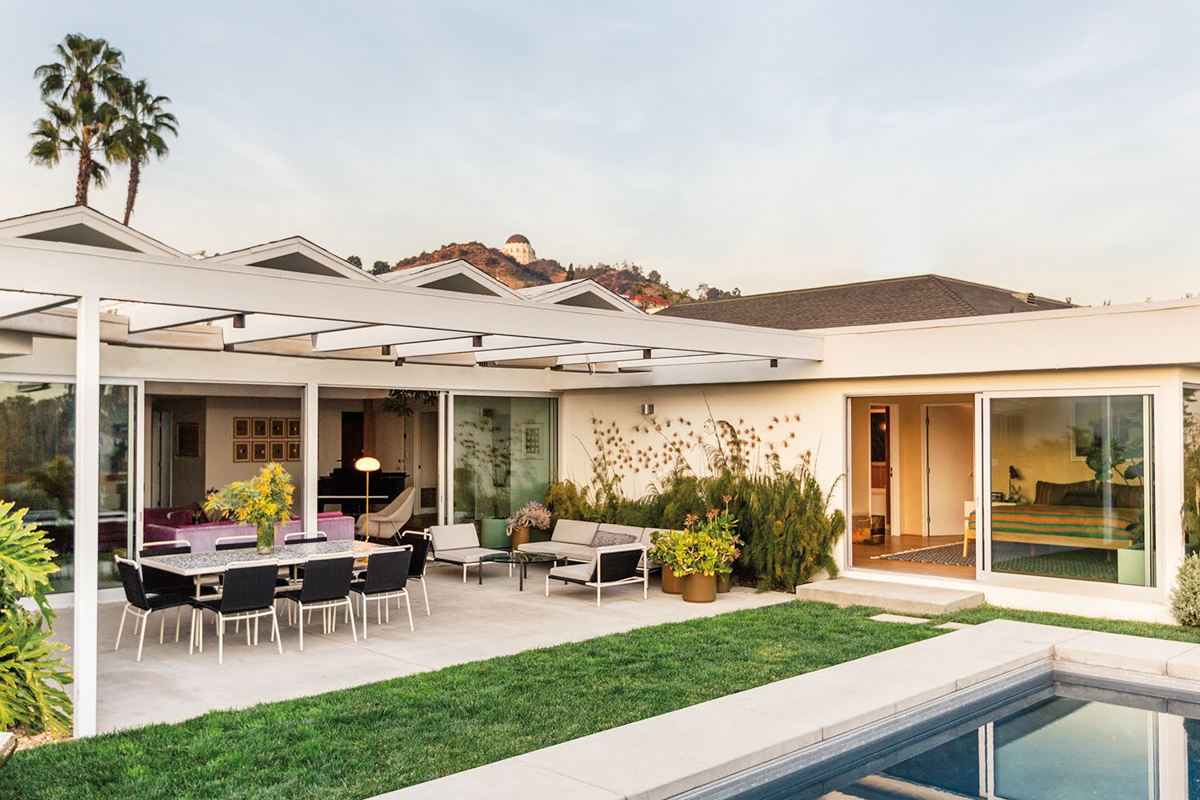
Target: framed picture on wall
(258,451)
(278,450)
(293,451)
(187,439)
(293,428)
(241,427)
(531,444)
(241,451)
(258,427)
(278,427)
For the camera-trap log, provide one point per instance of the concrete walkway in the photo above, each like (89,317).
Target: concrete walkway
(468,623)
(902,598)
(709,741)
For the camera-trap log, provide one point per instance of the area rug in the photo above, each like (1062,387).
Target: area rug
(1092,565)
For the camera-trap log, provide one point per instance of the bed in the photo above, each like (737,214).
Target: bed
(1067,515)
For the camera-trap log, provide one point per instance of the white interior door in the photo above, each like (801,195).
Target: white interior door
(949,467)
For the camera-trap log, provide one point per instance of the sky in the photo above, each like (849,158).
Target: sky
(1051,147)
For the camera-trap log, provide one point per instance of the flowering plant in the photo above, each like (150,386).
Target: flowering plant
(532,515)
(704,547)
(264,500)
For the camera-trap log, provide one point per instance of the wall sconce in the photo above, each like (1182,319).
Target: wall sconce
(647,409)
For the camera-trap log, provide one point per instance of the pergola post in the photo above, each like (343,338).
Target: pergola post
(87,511)
(308,457)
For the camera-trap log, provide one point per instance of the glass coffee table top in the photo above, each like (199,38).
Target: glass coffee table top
(523,558)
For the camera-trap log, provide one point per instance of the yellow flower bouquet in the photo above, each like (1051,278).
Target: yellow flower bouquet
(264,500)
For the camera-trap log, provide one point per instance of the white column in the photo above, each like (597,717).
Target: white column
(445,514)
(87,510)
(308,515)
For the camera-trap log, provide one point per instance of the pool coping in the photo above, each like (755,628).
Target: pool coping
(684,750)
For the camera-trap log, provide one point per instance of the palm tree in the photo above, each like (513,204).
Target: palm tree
(144,121)
(86,79)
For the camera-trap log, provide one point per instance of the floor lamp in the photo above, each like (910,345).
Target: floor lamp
(366,465)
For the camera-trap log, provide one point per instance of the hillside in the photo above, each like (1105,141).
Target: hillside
(628,280)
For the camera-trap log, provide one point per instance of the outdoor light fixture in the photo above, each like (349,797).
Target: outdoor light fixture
(366,465)
(647,409)
(774,363)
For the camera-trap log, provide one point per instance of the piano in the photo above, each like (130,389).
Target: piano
(347,487)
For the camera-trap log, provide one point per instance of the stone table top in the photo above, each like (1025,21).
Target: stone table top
(289,554)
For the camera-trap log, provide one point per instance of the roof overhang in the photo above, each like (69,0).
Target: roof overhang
(295,255)
(458,275)
(84,226)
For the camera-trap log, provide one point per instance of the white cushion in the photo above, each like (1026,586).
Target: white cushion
(579,572)
(453,537)
(631,530)
(573,531)
(465,555)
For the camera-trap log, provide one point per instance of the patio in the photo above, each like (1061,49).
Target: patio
(469,622)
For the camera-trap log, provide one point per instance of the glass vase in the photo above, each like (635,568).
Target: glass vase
(266,538)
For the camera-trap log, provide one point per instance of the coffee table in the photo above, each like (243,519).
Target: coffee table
(522,559)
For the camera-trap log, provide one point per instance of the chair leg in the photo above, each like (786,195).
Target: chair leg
(426,593)
(349,616)
(162,627)
(221,638)
(547,586)
(387,610)
(256,619)
(178,614)
(300,609)
(121,627)
(408,605)
(464,573)
(363,604)
(275,632)
(248,626)
(192,636)
(597,597)
(142,638)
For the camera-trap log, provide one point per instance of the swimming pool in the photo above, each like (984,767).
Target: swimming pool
(1039,739)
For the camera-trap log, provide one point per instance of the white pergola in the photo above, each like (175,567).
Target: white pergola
(166,301)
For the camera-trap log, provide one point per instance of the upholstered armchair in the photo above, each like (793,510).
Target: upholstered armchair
(387,522)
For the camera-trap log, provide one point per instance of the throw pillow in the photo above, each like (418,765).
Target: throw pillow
(606,539)
(180,518)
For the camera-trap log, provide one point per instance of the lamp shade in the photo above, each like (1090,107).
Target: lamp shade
(367,464)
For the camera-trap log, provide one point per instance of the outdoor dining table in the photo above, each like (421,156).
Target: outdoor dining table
(198,565)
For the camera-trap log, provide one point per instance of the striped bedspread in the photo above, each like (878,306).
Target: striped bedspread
(1081,521)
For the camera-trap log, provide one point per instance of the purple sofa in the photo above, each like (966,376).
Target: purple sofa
(164,525)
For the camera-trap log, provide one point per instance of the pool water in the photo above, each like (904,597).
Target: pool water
(1062,742)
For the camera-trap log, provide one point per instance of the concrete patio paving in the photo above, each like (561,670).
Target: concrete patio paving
(468,623)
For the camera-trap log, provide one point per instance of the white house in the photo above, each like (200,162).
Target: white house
(970,439)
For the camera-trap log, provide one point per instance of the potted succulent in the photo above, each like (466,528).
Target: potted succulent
(724,525)
(531,515)
(664,550)
(264,500)
(703,549)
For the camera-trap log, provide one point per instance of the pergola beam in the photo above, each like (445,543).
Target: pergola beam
(145,317)
(15,304)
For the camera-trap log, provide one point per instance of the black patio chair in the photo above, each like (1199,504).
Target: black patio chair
(141,605)
(419,541)
(388,573)
(326,588)
(248,594)
(159,581)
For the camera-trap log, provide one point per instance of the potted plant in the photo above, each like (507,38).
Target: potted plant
(532,515)
(702,550)
(664,550)
(727,548)
(264,501)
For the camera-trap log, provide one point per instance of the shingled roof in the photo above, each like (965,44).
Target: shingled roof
(920,297)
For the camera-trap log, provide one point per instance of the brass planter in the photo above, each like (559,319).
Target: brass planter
(699,588)
(724,582)
(520,536)
(670,583)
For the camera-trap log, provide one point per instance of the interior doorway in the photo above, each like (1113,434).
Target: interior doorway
(912,462)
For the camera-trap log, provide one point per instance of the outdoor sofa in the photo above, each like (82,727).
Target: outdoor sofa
(611,565)
(577,541)
(459,545)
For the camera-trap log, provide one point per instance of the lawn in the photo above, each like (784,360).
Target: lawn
(372,739)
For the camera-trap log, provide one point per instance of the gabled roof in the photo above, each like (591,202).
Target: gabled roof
(911,299)
(456,275)
(583,292)
(83,225)
(294,254)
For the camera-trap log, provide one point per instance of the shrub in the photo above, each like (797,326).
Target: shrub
(1185,597)
(32,678)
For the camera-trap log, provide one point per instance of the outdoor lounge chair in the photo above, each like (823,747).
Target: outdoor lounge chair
(612,566)
(142,605)
(459,544)
(387,522)
(386,578)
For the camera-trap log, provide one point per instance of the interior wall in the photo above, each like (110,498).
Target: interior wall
(220,468)
(388,446)
(187,473)
(909,464)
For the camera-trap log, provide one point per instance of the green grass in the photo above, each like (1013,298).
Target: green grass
(365,741)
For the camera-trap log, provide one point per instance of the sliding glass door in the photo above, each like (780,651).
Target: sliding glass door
(37,468)
(1069,488)
(505,455)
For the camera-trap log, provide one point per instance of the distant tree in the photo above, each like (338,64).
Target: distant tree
(355,260)
(571,271)
(653,276)
(380,267)
(143,122)
(79,91)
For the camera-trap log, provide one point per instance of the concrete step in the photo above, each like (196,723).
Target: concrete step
(901,598)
